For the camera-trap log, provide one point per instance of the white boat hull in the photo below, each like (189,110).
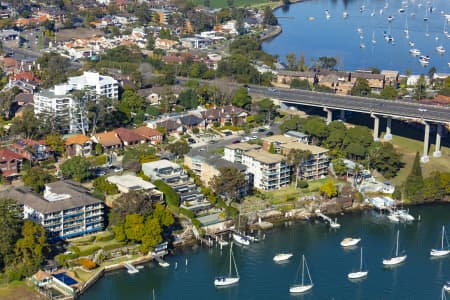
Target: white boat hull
(282,257)
(394,260)
(439,253)
(350,242)
(164,264)
(447,287)
(357,275)
(298,289)
(225,281)
(241,240)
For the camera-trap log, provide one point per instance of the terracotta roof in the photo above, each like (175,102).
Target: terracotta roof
(127,135)
(108,139)
(7,155)
(9,62)
(147,132)
(78,139)
(41,275)
(23,76)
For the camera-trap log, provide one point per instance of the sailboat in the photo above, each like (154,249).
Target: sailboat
(443,297)
(374,41)
(441,251)
(406,30)
(395,260)
(302,288)
(360,274)
(229,279)
(239,238)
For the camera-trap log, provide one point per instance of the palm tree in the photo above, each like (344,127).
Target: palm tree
(297,157)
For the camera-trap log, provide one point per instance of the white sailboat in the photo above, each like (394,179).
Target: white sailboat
(227,280)
(441,251)
(359,274)
(395,260)
(443,297)
(240,238)
(350,242)
(446,287)
(302,288)
(406,30)
(374,41)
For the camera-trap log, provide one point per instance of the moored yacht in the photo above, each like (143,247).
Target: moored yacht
(440,49)
(414,51)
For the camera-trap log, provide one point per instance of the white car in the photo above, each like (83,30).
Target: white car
(253,137)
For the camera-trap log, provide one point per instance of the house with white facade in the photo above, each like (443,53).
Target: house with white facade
(104,86)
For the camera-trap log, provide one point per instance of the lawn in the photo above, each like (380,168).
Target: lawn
(237,3)
(18,290)
(409,147)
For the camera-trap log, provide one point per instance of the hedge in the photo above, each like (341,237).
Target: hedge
(170,195)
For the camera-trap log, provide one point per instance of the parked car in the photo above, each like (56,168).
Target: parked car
(254,137)
(236,142)
(271,89)
(191,141)
(212,141)
(116,169)
(261,129)
(269,133)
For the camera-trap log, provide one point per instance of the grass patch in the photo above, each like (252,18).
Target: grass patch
(18,290)
(409,147)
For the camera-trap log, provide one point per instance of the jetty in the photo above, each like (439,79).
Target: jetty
(332,222)
(131,269)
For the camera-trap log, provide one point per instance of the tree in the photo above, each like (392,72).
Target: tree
(272,148)
(134,202)
(294,123)
(389,92)
(339,167)
(385,159)
(361,87)
(76,168)
(317,128)
(328,189)
(179,148)
(10,223)
(326,62)
(207,3)
(269,17)
(230,182)
(152,235)
(297,157)
(30,250)
(131,103)
(134,227)
(188,99)
(104,187)
(53,68)
(291,61)
(163,215)
(420,88)
(56,142)
(241,98)
(414,182)
(36,178)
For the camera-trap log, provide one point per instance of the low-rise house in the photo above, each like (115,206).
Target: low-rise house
(227,114)
(171,126)
(165,44)
(78,145)
(391,77)
(286,77)
(109,140)
(152,135)
(128,182)
(129,137)
(10,164)
(32,150)
(300,136)
(192,121)
(65,210)
(376,81)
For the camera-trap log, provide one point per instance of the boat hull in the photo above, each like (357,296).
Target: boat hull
(282,257)
(239,239)
(439,253)
(350,242)
(299,289)
(226,281)
(357,275)
(394,260)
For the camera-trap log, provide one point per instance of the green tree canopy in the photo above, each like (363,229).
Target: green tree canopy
(229,183)
(361,87)
(241,98)
(133,202)
(329,189)
(36,178)
(76,168)
(414,182)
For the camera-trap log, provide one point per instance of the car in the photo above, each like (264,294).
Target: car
(271,89)
(201,150)
(116,169)
(254,131)
(254,137)
(246,139)
(236,142)
(100,172)
(261,129)
(212,141)
(191,141)
(269,133)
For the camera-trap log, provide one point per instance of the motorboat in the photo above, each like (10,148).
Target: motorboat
(243,240)
(227,280)
(401,10)
(164,264)
(302,287)
(411,43)
(414,51)
(361,273)
(280,257)
(390,18)
(440,49)
(404,215)
(362,45)
(350,242)
(393,217)
(396,259)
(345,15)
(447,286)
(442,251)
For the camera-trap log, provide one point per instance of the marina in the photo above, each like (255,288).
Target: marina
(329,264)
(377,36)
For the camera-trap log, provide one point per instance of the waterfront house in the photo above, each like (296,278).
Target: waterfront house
(129,182)
(10,164)
(286,77)
(376,81)
(391,78)
(78,145)
(66,209)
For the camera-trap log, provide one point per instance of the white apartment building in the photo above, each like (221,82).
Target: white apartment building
(105,86)
(68,111)
(234,152)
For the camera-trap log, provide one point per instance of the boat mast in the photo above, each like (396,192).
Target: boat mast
(360,263)
(396,247)
(231,253)
(303,268)
(235,267)
(442,239)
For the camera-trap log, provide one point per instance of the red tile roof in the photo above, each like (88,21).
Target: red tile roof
(128,136)
(108,139)
(78,139)
(147,132)
(7,155)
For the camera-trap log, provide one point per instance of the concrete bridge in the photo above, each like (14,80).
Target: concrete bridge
(428,115)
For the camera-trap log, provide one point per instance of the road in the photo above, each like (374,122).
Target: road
(395,109)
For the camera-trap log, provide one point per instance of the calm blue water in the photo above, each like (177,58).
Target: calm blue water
(420,277)
(339,38)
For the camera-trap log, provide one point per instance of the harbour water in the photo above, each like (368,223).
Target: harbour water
(420,277)
(308,31)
